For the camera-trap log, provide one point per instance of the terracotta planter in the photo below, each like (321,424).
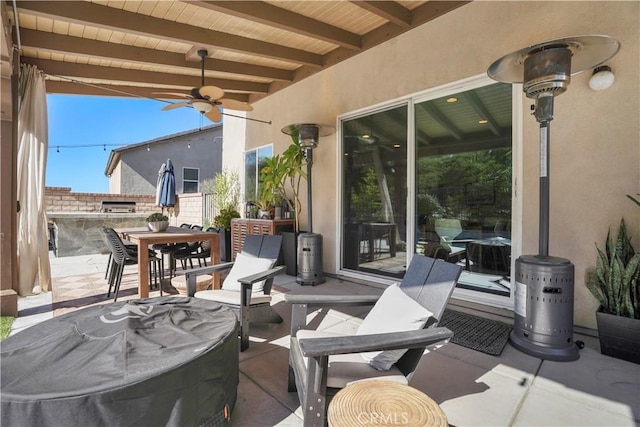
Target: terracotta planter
(619,336)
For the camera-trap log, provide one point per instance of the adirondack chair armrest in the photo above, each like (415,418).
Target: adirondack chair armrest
(206,270)
(330,300)
(264,275)
(317,347)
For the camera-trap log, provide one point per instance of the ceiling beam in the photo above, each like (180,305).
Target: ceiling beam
(96,15)
(389,10)
(79,88)
(442,120)
(421,15)
(111,51)
(264,13)
(480,109)
(67,69)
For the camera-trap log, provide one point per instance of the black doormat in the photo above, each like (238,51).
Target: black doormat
(477,333)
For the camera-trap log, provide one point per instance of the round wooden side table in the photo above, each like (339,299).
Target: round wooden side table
(383,403)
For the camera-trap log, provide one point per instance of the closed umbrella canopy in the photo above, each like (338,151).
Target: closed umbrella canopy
(167,186)
(159,183)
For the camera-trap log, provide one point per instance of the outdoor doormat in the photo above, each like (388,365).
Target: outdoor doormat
(474,332)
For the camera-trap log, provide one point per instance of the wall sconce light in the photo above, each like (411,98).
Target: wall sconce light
(201,106)
(602,78)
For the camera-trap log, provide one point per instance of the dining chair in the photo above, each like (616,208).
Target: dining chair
(121,256)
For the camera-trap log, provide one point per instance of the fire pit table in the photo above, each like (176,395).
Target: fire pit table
(155,361)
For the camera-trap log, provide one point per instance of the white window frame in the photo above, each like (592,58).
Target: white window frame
(190,180)
(516,177)
(255,150)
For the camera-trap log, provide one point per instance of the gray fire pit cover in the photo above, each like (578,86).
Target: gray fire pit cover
(149,362)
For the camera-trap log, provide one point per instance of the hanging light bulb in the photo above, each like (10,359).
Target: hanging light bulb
(104,148)
(188,145)
(58,149)
(148,148)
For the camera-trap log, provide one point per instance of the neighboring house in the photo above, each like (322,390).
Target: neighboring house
(196,156)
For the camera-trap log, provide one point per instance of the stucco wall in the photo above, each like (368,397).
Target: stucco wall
(595,156)
(137,171)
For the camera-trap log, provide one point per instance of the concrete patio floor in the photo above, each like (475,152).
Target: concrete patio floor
(473,388)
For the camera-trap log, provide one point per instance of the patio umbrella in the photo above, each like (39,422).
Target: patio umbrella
(167,186)
(159,183)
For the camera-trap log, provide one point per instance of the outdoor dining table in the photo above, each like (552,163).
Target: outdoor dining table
(144,238)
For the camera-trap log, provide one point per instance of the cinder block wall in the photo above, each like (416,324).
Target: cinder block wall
(61,199)
(188,210)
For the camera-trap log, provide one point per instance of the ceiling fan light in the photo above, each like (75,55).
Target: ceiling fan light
(202,106)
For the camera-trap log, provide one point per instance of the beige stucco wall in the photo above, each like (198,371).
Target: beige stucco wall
(595,156)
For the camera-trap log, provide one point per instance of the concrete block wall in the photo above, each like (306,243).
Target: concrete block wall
(188,209)
(61,199)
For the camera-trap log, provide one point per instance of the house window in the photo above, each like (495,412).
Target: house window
(253,164)
(190,180)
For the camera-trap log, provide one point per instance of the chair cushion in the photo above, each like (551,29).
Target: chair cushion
(345,369)
(231,297)
(394,311)
(246,265)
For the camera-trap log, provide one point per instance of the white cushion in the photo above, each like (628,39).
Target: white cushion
(246,265)
(394,311)
(345,369)
(231,297)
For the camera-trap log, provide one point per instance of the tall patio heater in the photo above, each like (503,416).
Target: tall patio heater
(309,244)
(544,286)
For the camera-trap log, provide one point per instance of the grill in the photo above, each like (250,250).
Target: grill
(117,206)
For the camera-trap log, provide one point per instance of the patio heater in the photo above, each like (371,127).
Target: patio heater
(544,286)
(309,244)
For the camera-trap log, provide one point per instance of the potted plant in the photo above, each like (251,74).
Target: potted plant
(157,222)
(264,206)
(614,283)
(225,187)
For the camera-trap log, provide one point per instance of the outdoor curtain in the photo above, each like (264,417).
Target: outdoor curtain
(34,270)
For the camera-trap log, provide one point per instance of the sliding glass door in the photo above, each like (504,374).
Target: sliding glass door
(374,192)
(458,146)
(463,184)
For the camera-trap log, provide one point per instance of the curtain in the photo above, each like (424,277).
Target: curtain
(34,270)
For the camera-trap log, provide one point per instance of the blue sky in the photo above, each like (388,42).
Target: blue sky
(92,120)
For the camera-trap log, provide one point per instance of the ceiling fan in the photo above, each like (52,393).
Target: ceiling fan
(207,99)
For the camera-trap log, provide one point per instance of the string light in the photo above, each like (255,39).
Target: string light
(148,148)
(188,145)
(104,146)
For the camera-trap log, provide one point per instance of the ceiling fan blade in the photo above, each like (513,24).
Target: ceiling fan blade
(214,115)
(181,95)
(233,104)
(211,92)
(175,105)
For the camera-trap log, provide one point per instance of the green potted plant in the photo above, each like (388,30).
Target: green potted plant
(157,222)
(225,187)
(614,283)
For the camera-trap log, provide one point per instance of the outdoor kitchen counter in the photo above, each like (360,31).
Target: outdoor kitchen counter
(78,233)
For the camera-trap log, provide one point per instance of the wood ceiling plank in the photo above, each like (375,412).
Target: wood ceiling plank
(68,44)
(63,87)
(108,17)
(284,19)
(59,68)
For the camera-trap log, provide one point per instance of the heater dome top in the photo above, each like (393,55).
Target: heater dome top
(587,52)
